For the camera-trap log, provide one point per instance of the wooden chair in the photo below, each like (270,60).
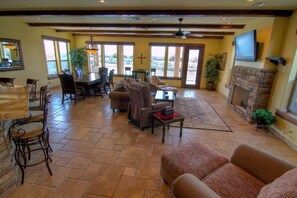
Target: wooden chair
(32,86)
(101,87)
(6,81)
(109,82)
(29,137)
(78,72)
(69,88)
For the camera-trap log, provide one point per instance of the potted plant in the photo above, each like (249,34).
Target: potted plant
(263,118)
(78,57)
(212,70)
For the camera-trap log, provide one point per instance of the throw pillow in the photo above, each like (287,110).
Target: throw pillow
(284,186)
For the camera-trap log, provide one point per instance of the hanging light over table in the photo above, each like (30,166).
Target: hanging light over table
(91,47)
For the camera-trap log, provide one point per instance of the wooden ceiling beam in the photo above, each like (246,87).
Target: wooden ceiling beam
(153,36)
(122,25)
(140,32)
(160,13)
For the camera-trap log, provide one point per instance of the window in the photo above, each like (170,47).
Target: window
(110,57)
(167,60)
(56,53)
(49,47)
(115,56)
(293,101)
(63,49)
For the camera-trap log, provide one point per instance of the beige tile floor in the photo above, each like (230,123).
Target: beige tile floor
(98,153)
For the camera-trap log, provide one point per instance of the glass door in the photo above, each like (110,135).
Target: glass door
(192,66)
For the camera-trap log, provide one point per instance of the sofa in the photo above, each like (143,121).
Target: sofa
(250,172)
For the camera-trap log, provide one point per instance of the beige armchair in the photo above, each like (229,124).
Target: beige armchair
(140,107)
(155,83)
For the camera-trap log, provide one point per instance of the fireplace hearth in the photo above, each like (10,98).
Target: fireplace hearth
(249,90)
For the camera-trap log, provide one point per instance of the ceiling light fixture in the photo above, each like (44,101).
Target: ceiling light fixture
(102,1)
(223,18)
(258,4)
(91,47)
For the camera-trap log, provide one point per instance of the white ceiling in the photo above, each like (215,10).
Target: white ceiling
(132,5)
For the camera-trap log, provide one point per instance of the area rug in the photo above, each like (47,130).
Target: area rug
(199,114)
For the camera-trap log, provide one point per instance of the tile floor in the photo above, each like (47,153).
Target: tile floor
(98,153)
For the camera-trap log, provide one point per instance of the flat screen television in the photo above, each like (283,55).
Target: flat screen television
(246,47)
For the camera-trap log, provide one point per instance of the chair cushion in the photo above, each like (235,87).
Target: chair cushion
(232,181)
(27,131)
(284,186)
(194,158)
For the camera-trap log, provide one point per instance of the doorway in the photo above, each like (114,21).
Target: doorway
(192,66)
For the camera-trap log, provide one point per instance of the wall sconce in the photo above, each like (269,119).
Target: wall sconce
(276,60)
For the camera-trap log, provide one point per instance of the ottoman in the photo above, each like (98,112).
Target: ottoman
(195,158)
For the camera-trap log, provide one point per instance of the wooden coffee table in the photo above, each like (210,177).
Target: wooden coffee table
(166,122)
(165,96)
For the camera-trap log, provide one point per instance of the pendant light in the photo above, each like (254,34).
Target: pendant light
(91,47)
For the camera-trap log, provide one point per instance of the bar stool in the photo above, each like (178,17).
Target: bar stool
(29,137)
(32,85)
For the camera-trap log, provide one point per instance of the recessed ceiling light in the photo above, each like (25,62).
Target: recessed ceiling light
(258,4)
(250,0)
(102,1)
(228,23)
(38,18)
(124,18)
(154,19)
(223,18)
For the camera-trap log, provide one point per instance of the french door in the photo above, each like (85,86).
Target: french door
(192,66)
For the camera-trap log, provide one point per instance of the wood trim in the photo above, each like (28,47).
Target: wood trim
(110,43)
(153,36)
(135,13)
(286,116)
(141,32)
(177,44)
(54,38)
(138,25)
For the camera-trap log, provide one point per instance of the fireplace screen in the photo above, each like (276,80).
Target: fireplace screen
(240,98)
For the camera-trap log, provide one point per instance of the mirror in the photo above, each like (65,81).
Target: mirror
(10,55)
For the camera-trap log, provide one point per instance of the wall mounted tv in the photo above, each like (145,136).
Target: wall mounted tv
(246,47)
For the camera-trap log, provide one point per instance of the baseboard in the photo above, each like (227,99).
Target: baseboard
(284,138)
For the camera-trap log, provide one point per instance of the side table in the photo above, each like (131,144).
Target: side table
(166,122)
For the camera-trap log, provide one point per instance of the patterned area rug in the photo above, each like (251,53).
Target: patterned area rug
(199,114)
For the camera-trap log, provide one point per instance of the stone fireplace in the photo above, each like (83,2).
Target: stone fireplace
(249,90)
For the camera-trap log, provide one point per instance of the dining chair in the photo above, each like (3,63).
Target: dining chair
(32,86)
(78,72)
(6,81)
(66,71)
(128,72)
(29,137)
(69,89)
(109,81)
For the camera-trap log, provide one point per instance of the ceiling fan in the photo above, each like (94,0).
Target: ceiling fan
(181,34)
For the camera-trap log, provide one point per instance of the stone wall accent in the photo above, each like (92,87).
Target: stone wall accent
(258,82)
(7,174)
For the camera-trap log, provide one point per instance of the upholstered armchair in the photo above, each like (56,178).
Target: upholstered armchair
(140,107)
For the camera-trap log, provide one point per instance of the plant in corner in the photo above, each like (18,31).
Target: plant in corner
(78,57)
(263,118)
(212,70)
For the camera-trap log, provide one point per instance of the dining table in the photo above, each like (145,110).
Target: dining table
(87,81)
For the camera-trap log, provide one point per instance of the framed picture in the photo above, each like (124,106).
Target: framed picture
(224,58)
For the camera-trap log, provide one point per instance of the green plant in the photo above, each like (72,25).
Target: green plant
(212,69)
(263,117)
(78,57)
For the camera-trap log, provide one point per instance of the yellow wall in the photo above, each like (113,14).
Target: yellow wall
(142,46)
(32,48)
(283,83)
(277,37)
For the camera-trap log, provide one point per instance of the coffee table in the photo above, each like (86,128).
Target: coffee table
(165,96)
(177,117)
